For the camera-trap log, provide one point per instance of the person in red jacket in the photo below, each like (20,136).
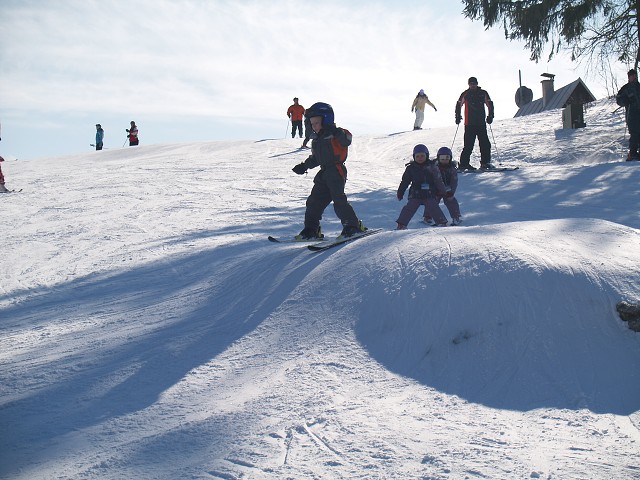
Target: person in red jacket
(133,134)
(295,113)
(3,189)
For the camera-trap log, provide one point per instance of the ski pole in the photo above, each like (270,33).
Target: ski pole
(287,129)
(454,137)
(494,139)
(125,142)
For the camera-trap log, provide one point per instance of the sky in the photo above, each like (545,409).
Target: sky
(149,330)
(216,70)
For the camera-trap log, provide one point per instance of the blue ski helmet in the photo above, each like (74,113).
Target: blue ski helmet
(420,148)
(323,110)
(445,151)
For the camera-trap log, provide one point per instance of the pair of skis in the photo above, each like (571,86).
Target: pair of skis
(489,170)
(321,245)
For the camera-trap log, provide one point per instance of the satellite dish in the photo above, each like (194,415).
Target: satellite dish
(524,95)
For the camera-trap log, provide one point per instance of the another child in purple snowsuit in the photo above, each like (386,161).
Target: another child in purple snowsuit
(426,186)
(449,175)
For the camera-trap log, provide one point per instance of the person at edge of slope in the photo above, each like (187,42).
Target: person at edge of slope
(329,149)
(295,113)
(99,136)
(629,98)
(3,189)
(418,105)
(474,99)
(426,186)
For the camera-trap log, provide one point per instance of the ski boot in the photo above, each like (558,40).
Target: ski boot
(310,233)
(350,230)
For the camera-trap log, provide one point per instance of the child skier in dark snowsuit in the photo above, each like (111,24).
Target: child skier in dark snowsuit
(449,175)
(426,186)
(329,150)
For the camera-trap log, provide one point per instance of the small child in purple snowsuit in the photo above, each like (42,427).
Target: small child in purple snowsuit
(449,174)
(426,186)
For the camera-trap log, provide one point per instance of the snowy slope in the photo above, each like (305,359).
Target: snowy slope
(149,330)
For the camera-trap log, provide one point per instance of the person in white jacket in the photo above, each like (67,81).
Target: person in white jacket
(418,105)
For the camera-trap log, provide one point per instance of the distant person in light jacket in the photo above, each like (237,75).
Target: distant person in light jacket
(418,105)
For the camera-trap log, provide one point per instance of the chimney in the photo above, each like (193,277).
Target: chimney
(547,88)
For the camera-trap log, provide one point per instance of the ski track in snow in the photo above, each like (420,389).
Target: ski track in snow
(149,330)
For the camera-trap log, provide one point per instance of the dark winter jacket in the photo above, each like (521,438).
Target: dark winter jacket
(449,175)
(629,98)
(474,101)
(424,179)
(329,147)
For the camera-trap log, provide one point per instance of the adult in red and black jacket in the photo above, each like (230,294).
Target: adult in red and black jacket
(474,99)
(329,148)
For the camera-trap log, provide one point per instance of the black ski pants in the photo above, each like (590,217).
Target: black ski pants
(633,124)
(470,134)
(296,124)
(328,186)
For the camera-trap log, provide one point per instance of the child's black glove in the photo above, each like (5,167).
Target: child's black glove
(490,119)
(300,169)
(458,119)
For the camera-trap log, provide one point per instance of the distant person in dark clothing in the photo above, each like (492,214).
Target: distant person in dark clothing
(99,136)
(629,98)
(474,99)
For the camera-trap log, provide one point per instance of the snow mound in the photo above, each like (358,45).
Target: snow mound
(530,344)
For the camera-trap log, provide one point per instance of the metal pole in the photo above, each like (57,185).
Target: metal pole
(454,136)
(520,89)
(494,139)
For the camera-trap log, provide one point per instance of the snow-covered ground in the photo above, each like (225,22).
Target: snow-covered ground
(148,330)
